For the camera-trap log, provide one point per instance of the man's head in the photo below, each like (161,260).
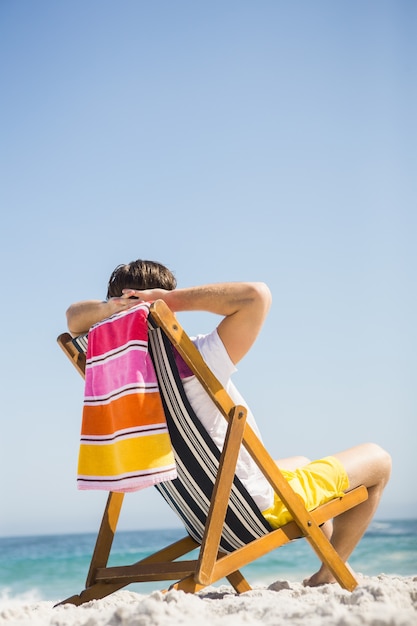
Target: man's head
(140,274)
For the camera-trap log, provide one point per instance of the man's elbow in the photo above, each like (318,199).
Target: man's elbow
(73,327)
(264,295)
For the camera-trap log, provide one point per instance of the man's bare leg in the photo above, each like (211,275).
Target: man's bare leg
(368,465)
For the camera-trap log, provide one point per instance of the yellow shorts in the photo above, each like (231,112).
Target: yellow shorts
(317,483)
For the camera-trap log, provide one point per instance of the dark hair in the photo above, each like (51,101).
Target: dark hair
(140,274)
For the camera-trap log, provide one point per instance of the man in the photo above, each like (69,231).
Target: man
(243,307)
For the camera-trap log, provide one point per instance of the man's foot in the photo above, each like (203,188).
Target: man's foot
(324,577)
(316,580)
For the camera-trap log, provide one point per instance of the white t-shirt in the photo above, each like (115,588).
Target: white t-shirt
(215,355)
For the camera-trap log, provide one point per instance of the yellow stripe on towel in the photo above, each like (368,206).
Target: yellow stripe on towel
(127,456)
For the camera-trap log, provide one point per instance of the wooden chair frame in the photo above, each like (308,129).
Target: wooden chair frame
(211,564)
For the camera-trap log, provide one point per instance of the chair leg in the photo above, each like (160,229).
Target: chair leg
(189,585)
(238,582)
(105,535)
(104,541)
(95,592)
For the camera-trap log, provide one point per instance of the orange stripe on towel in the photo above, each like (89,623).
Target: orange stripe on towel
(125,412)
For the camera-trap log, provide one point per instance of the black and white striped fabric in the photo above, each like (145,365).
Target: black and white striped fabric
(81,343)
(197,458)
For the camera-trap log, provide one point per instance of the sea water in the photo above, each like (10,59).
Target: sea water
(55,567)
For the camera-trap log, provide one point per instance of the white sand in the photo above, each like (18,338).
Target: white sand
(378,601)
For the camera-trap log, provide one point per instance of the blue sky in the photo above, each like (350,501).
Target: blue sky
(231,140)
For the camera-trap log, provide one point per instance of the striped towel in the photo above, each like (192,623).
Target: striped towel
(125,444)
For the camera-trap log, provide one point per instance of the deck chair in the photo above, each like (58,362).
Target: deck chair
(224,526)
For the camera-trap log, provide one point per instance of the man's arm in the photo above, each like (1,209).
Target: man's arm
(244,307)
(82,315)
